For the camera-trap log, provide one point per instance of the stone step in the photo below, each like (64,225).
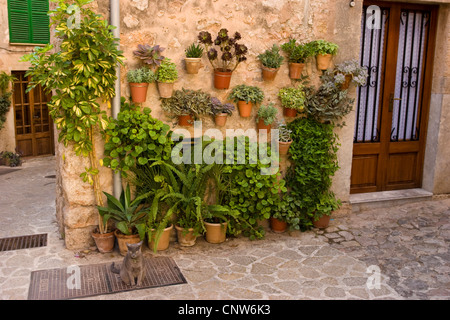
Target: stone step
(383,199)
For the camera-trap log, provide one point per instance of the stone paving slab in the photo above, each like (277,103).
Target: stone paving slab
(289,267)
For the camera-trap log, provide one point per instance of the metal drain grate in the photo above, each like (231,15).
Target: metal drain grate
(98,279)
(23,242)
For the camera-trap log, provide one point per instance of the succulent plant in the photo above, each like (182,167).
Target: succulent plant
(150,55)
(271,58)
(232,53)
(194,51)
(284,132)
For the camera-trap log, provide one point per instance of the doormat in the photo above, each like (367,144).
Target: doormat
(93,280)
(23,242)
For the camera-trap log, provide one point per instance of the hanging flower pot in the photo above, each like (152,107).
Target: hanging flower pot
(165,89)
(185,120)
(295,70)
(269,74)
(277,226)
(221,119)
(323,61)
(104,242)
(193,65)
(245,109)
(216,232)
(138,92)
(222,79)
(284,147)
(346,84)
(263,126)
(289,112)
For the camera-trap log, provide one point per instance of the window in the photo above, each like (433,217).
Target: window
(28,21)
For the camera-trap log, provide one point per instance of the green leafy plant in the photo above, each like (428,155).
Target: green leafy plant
(271,58)
(5,96)
(284,132)
(141,75)
(129,215)
(135,138)
(80,73)
(328,103)
(314,157)
(186,101)
(150,55)
(194,51)
(296,52)
(293,97)
(350,68)
(268,113)
(217,107)
(167,71)
(324,47)
(246,93)
(10,158)
(232,53)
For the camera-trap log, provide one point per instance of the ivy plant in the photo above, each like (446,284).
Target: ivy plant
(80,73)
(135,138)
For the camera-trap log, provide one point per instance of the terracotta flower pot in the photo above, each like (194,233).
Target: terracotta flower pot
(284,147)
(216,232)
(123,239)
(278,226)
(295,70)
(138,92)
(289,112)
(221,119)
(269,74)
(322,223)
(245,109)
(164,240)
(185,121)
(262,126)
(165,89)
(323,61)
(222,79)
(346,84)
(104,242)
(186,238)
(193,65)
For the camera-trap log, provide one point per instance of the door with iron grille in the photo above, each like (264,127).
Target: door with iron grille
(33,125)
(397,47)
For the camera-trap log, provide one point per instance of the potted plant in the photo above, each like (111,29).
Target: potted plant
(139,80)
(187,105)
(325,206)
(230,56)
(297,55)
(166,75)
(285,139)
(246,96)
(193,58)
(271,61)
(349,72)
(129,216)
(221,111)
(324,51)
(329,103)
(292,100)
(10,159)
(150,55)
(266,116)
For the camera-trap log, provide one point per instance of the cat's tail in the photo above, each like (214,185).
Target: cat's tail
(114,269)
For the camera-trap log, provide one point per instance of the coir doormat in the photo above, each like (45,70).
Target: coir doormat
(92,280)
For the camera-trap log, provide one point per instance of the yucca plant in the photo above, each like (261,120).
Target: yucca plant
(194,51)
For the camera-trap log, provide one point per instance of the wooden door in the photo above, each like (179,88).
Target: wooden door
(397,47)
(33,125)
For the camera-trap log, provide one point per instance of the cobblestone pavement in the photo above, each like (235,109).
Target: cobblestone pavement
(409,244)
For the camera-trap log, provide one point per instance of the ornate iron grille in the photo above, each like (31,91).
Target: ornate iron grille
(367,127)
(408,84)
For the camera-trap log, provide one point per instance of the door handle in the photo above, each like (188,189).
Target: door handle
(391,102)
